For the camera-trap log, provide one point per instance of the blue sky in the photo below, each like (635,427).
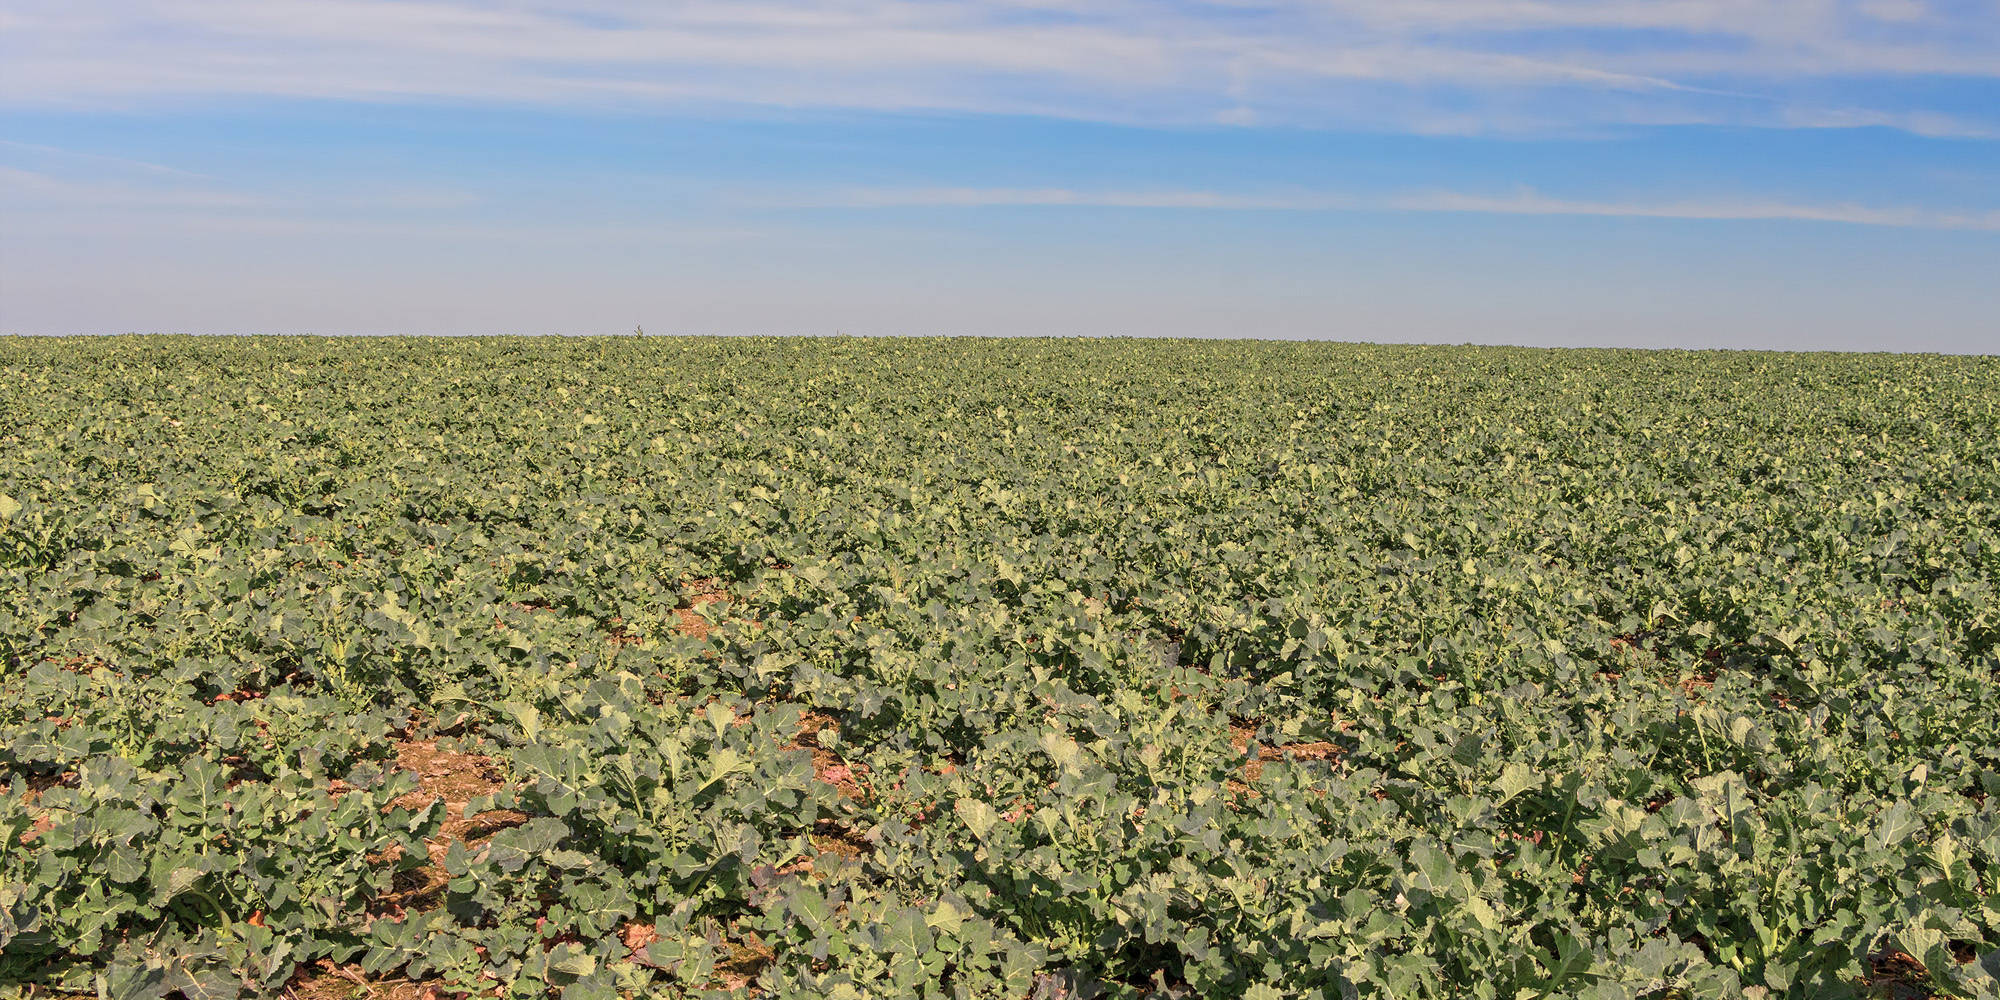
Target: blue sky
(1674,173)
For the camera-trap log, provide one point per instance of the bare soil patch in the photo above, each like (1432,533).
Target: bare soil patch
(697,594)
(1242,737)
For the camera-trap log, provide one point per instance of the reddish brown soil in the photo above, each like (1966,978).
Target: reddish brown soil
(1240,737)
(699,593)
(1898,976)
(747,957)
(325,981)
(455,778)
(828,766)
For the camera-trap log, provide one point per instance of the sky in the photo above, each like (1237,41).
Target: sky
(1781,174)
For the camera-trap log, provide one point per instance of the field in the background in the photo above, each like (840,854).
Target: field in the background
(988,669)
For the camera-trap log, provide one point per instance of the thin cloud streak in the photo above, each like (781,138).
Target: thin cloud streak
(971,197)
(1280,61)
(1521,203)
(100,160)
(1528,203)
(19,188)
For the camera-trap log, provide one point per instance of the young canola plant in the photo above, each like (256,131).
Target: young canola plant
(839,668)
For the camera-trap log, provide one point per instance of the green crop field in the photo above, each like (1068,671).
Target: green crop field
(936,668)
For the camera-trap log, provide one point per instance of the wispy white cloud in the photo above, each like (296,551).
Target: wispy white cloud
(409,197)
(36,176)
(972,197)
(1524,202)
(98,161)
(21,189)
(1426,64)
(1530,203)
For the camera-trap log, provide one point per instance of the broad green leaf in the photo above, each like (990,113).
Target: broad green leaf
(977,816)
(1514,779)
(908,934)
(1893,826)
